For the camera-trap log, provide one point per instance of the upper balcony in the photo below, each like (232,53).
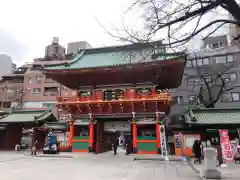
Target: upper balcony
(120,96)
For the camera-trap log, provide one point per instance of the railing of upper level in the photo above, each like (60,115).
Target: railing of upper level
(133,96)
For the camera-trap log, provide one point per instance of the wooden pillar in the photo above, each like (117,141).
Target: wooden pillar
(71,134)
(91,133)
(134,131)
(158,133)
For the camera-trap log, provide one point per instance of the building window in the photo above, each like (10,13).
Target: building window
(216,45)
(51,91)
(230,58)
(181,117)
(177,100)
(206,61)
(193,83)
(39,79)
(231,97)
(48,105)
(194,63)
(36,91)
(235,96)
(221,59)
(230,77)
(192,99)
(29,80)
(11,90)
(201,62)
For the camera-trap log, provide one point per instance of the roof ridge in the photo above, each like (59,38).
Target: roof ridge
(44,113)
(5,115)
(75,59)
(144,44)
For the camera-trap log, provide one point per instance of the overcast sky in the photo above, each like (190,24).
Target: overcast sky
(27,26)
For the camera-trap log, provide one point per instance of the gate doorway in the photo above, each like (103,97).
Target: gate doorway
(119,134)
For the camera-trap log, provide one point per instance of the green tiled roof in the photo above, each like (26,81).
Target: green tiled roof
(55,126)
(24,116)
(213,116)
(111,56)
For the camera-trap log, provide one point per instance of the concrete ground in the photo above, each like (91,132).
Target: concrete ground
(21,166)
(231,172)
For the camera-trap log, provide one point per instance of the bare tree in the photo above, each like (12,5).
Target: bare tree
(179,20)
(213,82)
(182,20)
(175,23)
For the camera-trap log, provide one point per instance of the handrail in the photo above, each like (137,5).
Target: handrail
(161,96)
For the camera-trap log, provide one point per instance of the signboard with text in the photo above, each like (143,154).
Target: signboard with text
(226,145)
(121,126)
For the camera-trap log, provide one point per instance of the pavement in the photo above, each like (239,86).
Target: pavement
(231,172)
(84,166)
(158,158)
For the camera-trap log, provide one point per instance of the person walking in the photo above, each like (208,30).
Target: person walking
(34,149)
(127,145)
(197,151)
(115,145)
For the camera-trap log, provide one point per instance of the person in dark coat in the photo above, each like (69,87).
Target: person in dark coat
(197,150)
(127,145)
(34,149)
(58,147)
(115,145)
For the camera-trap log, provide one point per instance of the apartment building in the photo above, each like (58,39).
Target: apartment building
(40,91)
(27,88)
(11,89)
(215,56)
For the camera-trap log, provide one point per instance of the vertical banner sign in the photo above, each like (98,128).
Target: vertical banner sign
(163,141)
(177,141)
(226,145)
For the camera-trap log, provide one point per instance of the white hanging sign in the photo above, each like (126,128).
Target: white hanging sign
(121,126)
(163,141)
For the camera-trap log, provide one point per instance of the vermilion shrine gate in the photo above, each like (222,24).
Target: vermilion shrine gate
(123,86)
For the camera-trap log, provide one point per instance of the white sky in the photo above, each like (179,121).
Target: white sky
(27,26)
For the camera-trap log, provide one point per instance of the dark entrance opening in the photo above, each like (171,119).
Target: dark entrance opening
(108,132)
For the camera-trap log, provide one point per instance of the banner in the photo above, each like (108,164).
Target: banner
(177,141)
(226,145)
(163,141)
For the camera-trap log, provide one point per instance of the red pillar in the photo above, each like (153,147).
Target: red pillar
(91,133)
(158,133)
(71,133)
(134,130)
